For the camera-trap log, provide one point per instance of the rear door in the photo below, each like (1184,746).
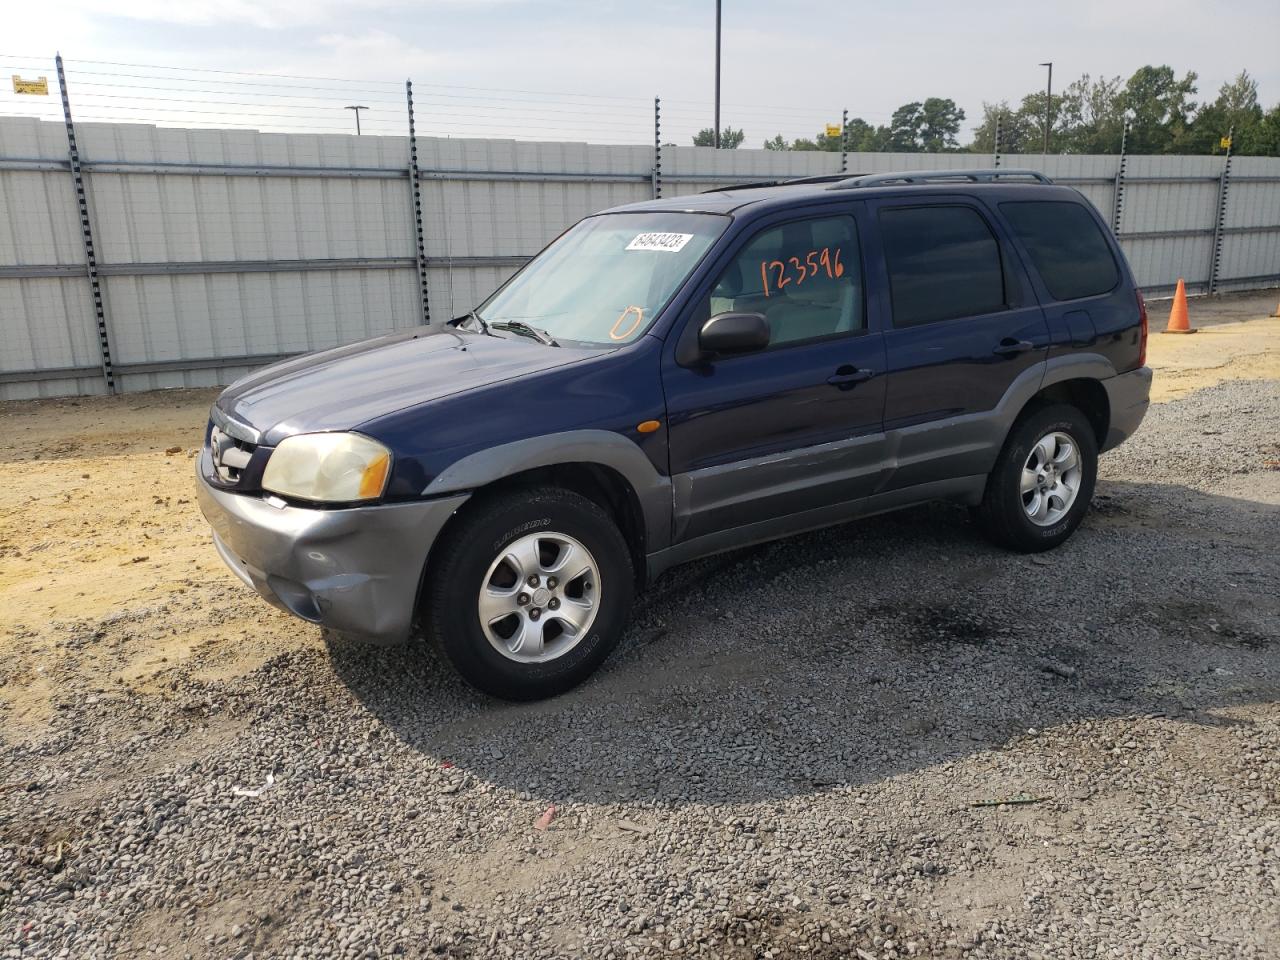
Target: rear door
(962,325)
(796,426)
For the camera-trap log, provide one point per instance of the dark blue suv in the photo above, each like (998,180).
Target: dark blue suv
(678,377)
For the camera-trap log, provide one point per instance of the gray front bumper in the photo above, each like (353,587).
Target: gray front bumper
(354,570)
(1129,396)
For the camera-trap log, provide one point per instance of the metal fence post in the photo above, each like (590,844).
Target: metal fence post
(415,186)
(844,142)
(996,144)
(86,233)
(657,147)
(1117,194)
(1224,184)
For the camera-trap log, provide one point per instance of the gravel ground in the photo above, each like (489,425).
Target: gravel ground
(799,751)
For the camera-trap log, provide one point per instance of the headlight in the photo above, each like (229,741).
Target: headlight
(328,468)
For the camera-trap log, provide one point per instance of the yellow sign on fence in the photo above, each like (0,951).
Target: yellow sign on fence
(833,129)
(1225,143)
(37,88)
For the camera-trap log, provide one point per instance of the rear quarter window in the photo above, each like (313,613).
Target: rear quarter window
(1066,246)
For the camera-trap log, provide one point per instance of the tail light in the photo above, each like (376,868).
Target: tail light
(1142,336)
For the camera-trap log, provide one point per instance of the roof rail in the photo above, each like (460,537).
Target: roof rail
(916,177)
(792,182)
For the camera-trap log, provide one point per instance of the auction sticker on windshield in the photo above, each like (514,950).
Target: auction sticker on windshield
(666,242)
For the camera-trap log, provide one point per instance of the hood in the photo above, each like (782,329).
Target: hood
(339,389)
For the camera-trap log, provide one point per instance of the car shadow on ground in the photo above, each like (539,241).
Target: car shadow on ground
(852,654)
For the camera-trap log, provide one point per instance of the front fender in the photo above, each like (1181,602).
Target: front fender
(600,447)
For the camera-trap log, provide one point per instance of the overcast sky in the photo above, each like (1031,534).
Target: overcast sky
(787,67)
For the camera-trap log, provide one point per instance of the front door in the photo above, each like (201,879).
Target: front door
(796,426)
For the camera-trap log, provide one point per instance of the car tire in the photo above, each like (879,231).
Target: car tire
(499,560)
(1042,483)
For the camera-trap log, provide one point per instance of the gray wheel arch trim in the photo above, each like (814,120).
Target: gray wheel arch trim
(599,447)
(1075,366)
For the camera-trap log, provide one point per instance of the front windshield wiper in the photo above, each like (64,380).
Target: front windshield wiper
(472,315)
(524,330)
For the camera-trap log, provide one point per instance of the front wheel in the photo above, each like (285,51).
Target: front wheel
(530,592)
(1042,482)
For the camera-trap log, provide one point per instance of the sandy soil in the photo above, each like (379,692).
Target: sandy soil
(99,526)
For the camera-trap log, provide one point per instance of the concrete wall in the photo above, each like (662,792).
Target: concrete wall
(219,250)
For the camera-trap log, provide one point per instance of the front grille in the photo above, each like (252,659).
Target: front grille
(231,455)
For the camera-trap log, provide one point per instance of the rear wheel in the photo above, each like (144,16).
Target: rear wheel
(1042,482)
(530,592)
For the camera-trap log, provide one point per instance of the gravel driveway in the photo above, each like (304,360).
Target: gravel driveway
(800,751)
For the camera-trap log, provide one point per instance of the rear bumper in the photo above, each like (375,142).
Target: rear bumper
(353,570)
(1129,395)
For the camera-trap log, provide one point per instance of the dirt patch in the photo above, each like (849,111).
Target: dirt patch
(109,580)
(1227,351)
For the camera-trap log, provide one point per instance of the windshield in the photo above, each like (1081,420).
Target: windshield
(606,278)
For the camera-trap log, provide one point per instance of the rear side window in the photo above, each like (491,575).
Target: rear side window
(1066,247)
(943,263)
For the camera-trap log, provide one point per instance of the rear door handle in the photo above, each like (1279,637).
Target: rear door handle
(1008,347)
(847,376)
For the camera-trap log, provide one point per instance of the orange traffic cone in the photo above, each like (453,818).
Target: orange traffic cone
(1178,322)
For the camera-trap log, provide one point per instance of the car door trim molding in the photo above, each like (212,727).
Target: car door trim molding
(972,440)
(962,489)
(748,488)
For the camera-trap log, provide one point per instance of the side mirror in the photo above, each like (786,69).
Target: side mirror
(727,334)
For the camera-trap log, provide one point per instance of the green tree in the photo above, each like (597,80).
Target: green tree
(932,125)
(1263,138)
(905,127)
(1160,106)
(1031,118)
(730,139)
(1236,109)
(860,136)
(1089,117)
(940,121)
(1016,134)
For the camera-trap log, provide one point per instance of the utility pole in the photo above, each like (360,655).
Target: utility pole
(357,108)
(1048,106)
(716,138)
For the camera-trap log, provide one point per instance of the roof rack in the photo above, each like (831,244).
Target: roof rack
(791,182)
(917,177)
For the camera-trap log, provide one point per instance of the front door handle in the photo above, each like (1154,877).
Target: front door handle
(847,377)
(1008,347)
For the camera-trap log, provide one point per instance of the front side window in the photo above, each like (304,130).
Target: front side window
(605,280)
(943,263)
(1066,246)
(805,277)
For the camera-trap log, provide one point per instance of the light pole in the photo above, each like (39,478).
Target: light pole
(716,138)
(1048,106)
(357,108)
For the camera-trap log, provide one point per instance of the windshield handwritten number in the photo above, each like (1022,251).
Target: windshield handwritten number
(814,262)
(783,279)
(632,311)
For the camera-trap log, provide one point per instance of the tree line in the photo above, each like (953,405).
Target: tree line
(1088,116)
